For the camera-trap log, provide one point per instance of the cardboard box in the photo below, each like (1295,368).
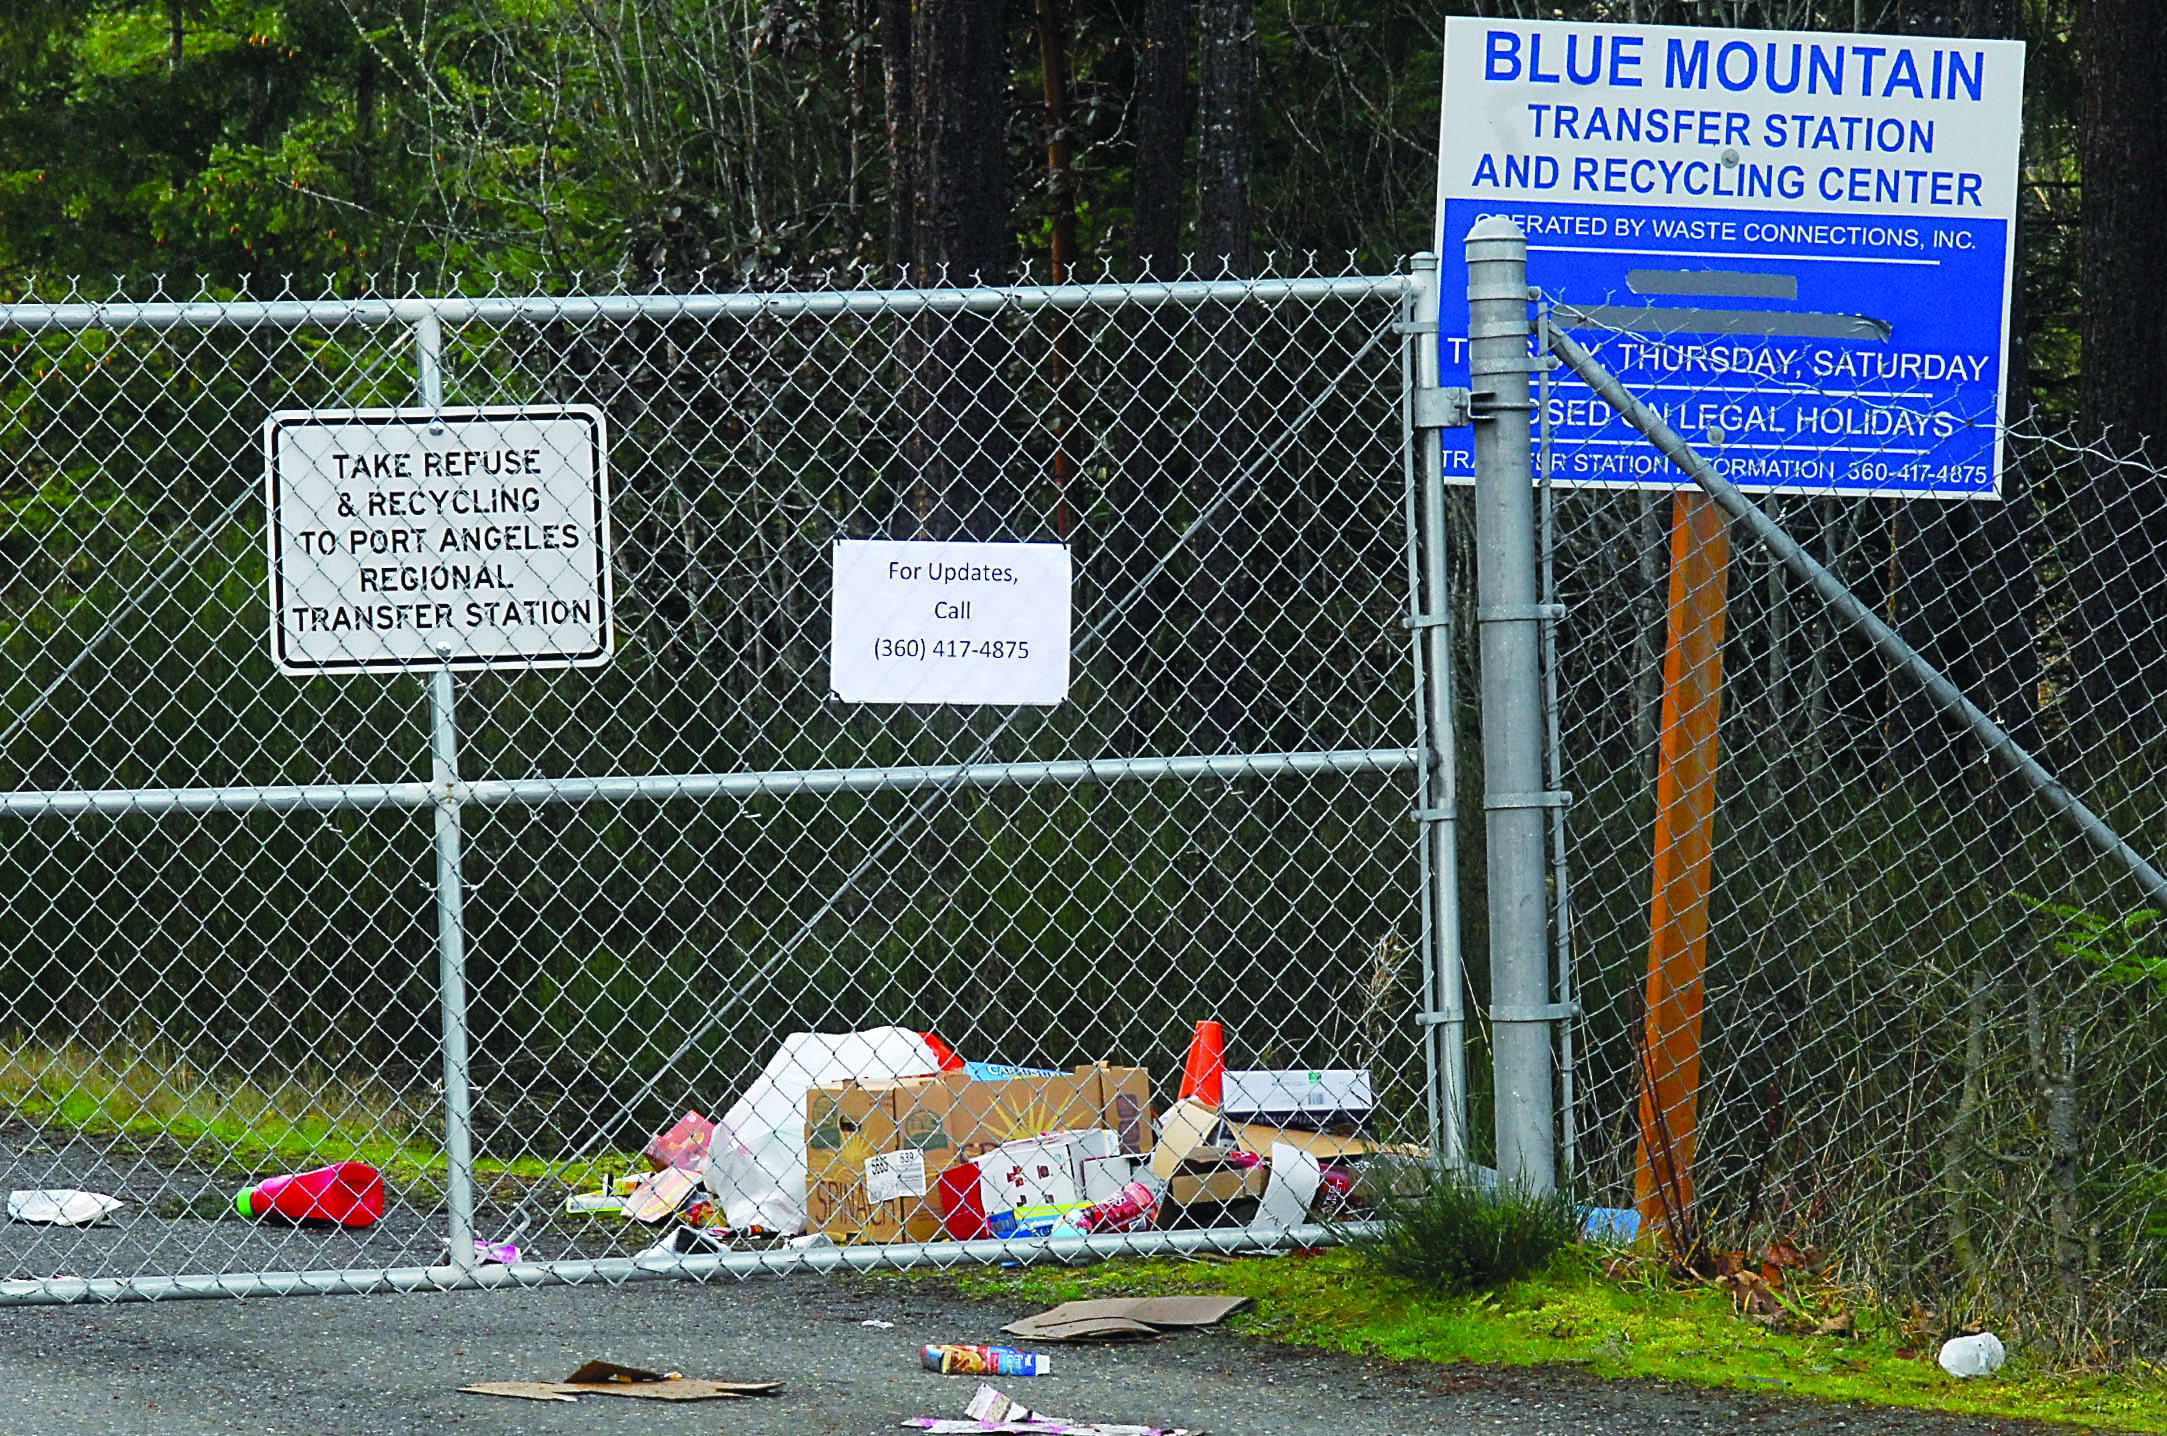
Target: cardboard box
(950,1118)
(1221,1184)
(956,1118)
(1324,1146)
(1316,1099)
(1105,1178)
(1186,1133)
(847,1124)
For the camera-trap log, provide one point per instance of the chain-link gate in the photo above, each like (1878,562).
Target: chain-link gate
(250,918)
(1923,1045)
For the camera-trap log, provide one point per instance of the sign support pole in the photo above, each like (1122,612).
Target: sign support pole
(1685,814)
(1507,615)
(450,888)
(451,970)
(1445,1024)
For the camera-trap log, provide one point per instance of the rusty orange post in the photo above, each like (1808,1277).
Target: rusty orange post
(1685,803)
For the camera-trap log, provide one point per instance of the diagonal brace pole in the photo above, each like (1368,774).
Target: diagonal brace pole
(1855,615)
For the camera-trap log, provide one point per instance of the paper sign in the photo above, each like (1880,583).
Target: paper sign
(892,1176)
(970,623)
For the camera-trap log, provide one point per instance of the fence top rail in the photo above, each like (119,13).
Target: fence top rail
(542,308)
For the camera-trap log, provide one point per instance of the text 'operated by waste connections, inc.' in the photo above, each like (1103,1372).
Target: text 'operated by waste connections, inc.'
(1797,248)
(946,622)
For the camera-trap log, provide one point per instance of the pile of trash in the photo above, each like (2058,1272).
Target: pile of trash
(888,1135)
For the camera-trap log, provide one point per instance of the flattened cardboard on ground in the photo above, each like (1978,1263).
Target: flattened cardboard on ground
(607,1378)
(658,1198)
(991,1411)
(1124,1318)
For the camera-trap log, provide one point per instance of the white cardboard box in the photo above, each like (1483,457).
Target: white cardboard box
(1308,1097)
(1047,1171)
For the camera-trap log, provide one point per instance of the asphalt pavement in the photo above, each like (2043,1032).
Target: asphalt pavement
(392,1365)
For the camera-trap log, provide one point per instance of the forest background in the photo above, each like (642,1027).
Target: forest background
(1912,992)
(464,144)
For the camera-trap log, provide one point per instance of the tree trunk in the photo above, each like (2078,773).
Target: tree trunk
(1162,138)
(2124,153)
(958,84)
(1227,77)
(1155,459)
(1060,191)
(1061,200)
(895,25)
(2124,381)
(960,217)
(1963,1136)
(2064,1139)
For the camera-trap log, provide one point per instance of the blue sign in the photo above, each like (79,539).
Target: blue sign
(1798,249)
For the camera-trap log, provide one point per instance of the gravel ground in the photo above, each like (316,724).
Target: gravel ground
(392,1365)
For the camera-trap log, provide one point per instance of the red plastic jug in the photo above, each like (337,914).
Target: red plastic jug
(349,1193)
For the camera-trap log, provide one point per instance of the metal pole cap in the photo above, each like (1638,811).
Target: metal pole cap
(1495,237)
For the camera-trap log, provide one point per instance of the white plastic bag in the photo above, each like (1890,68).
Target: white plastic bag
(756,1167)
(1979,1355)
(60,1206)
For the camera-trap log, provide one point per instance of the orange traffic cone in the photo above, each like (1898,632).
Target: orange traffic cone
(1203,1075)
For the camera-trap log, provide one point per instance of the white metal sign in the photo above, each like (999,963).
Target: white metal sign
(1799,248)
(402,538)
(929,622)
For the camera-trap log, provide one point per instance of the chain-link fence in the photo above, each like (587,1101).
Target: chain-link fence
(224,953)
(1930,1017)
(1929,1029)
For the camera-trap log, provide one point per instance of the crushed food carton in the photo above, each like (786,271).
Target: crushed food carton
(1219,1184)
(684,1145)
(1187,1133)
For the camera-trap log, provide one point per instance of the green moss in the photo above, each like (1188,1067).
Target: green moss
(1572,1315)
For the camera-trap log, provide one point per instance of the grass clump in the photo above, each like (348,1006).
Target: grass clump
(1448,1234)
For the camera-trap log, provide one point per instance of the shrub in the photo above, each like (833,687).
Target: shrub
(1441,1230)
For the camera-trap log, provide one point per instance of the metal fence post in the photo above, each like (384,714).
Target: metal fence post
(1507,613)
(1445,1019)
(450,891)
(451,971)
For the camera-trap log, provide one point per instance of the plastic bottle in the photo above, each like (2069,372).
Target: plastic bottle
(985,1361)
(349,1193)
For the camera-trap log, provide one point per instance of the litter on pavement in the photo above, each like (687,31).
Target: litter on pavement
(348,1193)
(992,1411)
(607,1378)
(1124,1318)
(61,1206)
(985,1361)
